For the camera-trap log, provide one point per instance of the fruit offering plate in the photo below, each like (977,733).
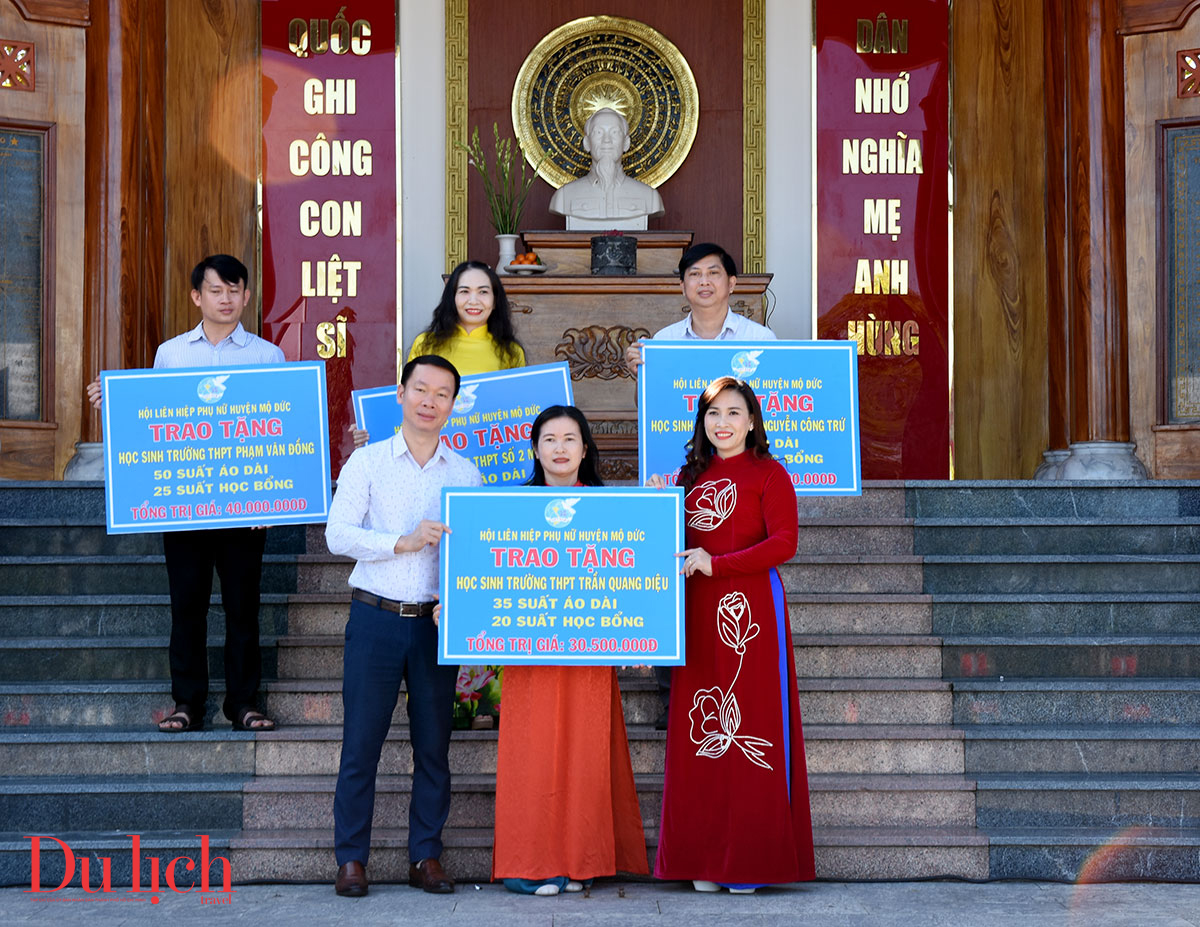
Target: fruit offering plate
(526,268)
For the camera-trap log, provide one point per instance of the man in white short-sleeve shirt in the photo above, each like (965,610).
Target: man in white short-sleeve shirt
(707,277)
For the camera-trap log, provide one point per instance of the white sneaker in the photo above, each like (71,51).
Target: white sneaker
(701,886)
(546,890)
(742,891)
(574,886)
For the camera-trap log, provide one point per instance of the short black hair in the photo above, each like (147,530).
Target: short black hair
(702,250)
(228,268)
(433,360)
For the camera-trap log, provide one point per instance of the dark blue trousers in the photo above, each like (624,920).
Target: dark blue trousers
(383,649)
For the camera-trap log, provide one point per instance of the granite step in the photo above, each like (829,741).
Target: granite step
(875,701)
(1090,573)
(865,655)
(903,749)
(76,705)
(850,749)
(1081,749)
(1135,702)
(297,802)
(130,804)
(1112,613)
(290,802)
(1057,536)
(811,613)
(891,800)
(120,615)
(137,703)
(900,853)
(66,500)
(1119,499)
(116,575)
(861,613)
(319,701)
(1083,855)
(59,537)
(880,499)
(106,658)
(1112,801)
(118,752)
(853,574)
(855,536)
(830,701)
(841,853)
(320,657)
(306,855)
(318,613)
(1076,656)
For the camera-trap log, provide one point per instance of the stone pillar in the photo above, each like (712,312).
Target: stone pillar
(1088,355)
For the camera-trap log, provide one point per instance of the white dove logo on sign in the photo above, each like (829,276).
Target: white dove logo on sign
(744,363)
(465,401)
(211,389)
(559,512)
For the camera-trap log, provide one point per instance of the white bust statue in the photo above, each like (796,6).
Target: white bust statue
(604,197)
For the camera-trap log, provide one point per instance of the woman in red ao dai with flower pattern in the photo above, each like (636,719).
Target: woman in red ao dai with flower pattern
(735,797)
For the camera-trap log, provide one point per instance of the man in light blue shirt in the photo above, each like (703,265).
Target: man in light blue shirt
(707,276)
(221,291)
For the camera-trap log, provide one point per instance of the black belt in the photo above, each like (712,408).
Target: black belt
(403,609)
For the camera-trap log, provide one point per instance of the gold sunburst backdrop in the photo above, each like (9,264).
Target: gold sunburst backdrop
(605,61)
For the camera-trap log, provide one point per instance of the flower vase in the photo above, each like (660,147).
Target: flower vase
(508,252)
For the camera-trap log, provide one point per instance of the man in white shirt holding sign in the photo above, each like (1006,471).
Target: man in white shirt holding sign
(221,291)
(386,514)
(707,276)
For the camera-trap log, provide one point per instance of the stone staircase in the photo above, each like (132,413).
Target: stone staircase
(993,678)
(1070,621)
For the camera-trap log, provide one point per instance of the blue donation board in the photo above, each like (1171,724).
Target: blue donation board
(217,447)
(562,576)
(809,396)
(492,418)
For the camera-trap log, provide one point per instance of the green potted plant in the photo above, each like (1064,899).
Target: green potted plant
(505,187)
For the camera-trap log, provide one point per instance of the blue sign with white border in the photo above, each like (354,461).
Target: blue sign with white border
(215,447)
(492,417)
(809,396)
(562,575)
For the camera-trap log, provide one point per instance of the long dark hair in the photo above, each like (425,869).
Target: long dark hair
(700,450)
(499,324)
(589,467)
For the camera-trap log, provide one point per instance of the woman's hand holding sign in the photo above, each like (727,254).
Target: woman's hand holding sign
(695,560)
